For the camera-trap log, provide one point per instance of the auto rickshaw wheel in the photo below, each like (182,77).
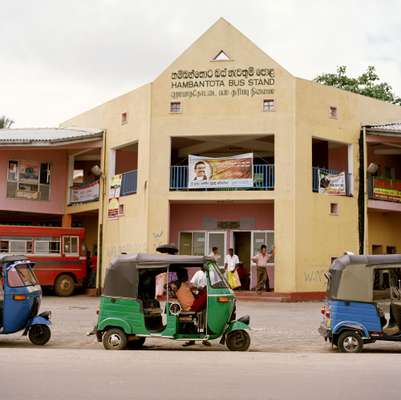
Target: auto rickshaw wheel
(114,339)
(39,334)
(64,285)
(238,340)
(136,343)
(350,342)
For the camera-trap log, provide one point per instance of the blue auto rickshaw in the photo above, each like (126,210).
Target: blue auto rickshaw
(363,301)
(20,297)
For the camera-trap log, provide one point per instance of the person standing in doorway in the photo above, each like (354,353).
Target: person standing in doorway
(215,254)
(231,262)
(261,260)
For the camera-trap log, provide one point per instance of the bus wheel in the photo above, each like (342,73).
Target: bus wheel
(114,339)
(64,285)
(350,342)
(238,340)
(39,334)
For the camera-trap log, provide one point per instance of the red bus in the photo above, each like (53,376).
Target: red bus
(59,253)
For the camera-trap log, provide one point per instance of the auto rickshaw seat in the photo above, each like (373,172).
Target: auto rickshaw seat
(151,308)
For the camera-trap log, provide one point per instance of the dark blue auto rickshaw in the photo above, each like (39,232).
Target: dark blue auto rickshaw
(363,301)
(20,297)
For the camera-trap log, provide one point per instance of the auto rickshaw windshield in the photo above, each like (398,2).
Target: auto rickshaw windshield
(21,275)
(217,280)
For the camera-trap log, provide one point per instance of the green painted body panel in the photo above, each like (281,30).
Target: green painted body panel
(235,326)
(122,312)
(171,328)
(128,314)
(218,314)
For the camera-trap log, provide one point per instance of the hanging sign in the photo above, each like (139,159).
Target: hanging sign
(221,172)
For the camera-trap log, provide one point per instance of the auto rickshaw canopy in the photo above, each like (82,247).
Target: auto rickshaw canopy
(6,258)
(122,277)
(351,277)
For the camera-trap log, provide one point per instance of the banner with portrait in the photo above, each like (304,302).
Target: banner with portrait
(87,192)
(332,183)
(220,172)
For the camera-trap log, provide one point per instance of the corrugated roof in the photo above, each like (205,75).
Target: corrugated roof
(47,135)
(386,127)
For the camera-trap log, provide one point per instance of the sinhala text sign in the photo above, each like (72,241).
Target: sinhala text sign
(227,172)
(223,82)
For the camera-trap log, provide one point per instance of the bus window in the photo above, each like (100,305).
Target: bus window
(17,246)
(47,245)
(70,245)
(3,246)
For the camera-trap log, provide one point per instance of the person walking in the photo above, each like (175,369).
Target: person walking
(231,262)
(261,260)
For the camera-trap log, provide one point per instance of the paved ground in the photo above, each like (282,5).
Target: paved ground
(277,328)
(287,360)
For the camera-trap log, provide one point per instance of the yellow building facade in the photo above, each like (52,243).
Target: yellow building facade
(222,97)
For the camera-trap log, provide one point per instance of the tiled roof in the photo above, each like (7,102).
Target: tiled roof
(47,135)
(389,127)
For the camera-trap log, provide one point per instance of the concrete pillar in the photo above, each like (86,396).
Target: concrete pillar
(66,221)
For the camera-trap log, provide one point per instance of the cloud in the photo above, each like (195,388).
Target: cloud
(60,58)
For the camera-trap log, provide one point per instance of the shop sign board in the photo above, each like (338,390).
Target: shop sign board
(387,189)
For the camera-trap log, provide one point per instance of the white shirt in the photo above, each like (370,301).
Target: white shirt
(199,279)
(231,262)
(215,256)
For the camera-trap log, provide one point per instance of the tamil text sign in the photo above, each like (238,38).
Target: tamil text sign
(247,81)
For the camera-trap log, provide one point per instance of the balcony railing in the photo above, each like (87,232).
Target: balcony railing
(263,178)
(384,189)
(129,183)
(315,179)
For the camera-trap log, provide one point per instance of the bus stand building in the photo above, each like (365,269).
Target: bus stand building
(324,176)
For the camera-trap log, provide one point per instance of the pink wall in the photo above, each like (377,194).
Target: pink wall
(338,158)
(58,181)
(190,216)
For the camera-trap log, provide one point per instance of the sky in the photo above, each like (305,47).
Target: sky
(60,58)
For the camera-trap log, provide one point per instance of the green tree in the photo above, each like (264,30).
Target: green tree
(367,84)
(5,122)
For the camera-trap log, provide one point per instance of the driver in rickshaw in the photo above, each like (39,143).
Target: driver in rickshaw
(184,294)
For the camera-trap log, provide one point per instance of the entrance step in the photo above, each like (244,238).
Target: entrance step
(275,297)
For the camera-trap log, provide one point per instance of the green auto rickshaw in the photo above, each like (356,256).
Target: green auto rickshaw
(130,312)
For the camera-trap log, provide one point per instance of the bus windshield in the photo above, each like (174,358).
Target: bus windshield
(21,275)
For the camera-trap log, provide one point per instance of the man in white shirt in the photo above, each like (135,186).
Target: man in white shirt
(199,279)
(231,261)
